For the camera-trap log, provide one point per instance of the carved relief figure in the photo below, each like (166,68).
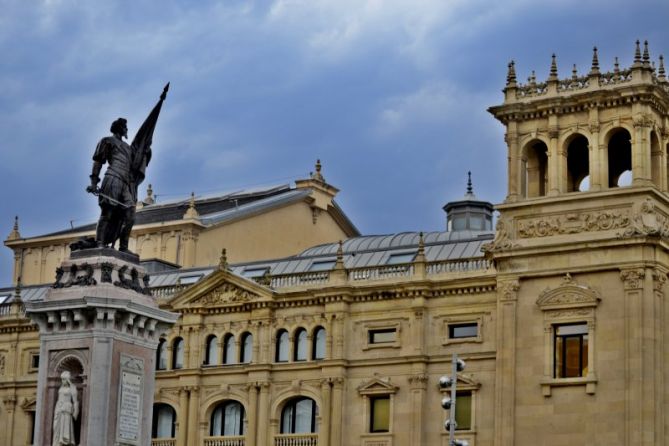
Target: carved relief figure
(66,411)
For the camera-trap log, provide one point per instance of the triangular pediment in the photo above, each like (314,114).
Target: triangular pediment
(221,288)
(569,294)
(377,386)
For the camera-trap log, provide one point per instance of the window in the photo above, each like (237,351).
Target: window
(570,350)
(299,416)
(465,330)
(301,345)
(188,280)
(379,420)
(4,298)
(161,355)
(178,353)
(318,349)
(230,350)
(164,421)
(282,346)
(382,335)
(227,419)
(211,350)
(325,265)
(34,360)
(246,345)
(31,414)
(401,257)
(463,410)
(255,272)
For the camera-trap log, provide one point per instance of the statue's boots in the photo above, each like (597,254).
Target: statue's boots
(126,228)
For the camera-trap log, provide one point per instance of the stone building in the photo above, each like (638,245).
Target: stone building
(559,311)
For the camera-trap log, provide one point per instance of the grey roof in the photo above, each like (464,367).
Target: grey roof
(358,252)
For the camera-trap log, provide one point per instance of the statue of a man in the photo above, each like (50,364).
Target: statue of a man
(125,171)
(66,411)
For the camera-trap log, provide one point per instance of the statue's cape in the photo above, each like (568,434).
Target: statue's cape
(141,144)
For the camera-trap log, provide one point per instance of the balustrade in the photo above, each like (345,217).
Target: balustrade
(296,440)
(164,442)
(228,440)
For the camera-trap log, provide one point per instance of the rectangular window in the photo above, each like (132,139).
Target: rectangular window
(398,258)
(34,360)
(382,336)
(463,410)
(255,272)
(570,344)
(380,414)
(325,265)
(466,330)
(188,280)
(4,298)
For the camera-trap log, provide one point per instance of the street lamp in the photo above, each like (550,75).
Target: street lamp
(448,403)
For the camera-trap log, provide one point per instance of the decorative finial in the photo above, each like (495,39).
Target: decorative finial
(14,235)
(421,243)
(470,190)
(574,73)
(150,199)
(660,71)
(318,176)
(646,54)
(511,74)
(340,250)
(191,212)
(553,76)
(532,80)
(223,261)
(595,62)
(637,53)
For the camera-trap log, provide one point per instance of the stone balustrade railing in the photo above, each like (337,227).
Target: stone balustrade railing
(301,279)
(5,309)
(164,442)
(296,440)
(225,441)
(381,272)
(459,266)
(164,292)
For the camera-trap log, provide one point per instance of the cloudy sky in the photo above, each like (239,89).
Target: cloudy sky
(391,95)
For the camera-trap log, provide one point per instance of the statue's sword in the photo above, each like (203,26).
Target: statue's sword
(97,193)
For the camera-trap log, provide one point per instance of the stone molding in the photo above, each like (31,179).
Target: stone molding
(632,278)
(573,223)
(509,290)
(568,295)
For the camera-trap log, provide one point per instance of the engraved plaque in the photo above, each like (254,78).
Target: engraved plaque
(130,401)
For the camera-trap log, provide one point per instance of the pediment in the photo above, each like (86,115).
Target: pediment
(221,288)
(569,294)
(377,386)
(467,382)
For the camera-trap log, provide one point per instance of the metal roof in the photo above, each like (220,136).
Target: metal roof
(358,252)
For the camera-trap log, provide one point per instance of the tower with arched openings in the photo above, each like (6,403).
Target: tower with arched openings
(582,255)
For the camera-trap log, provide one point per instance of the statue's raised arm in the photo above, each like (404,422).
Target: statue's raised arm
(126,169)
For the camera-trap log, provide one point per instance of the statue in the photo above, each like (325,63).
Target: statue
(126,167)
(66,411)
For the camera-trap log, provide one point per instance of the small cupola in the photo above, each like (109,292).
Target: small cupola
(468,214)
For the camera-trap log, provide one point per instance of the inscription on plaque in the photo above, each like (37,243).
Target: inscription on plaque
(130,401)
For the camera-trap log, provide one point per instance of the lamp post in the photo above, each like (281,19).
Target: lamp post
(448,403)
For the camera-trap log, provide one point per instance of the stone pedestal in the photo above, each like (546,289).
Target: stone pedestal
(99,323)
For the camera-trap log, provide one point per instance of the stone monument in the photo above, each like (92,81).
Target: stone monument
(100,326)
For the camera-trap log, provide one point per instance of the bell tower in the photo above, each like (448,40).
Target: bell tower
(582,255)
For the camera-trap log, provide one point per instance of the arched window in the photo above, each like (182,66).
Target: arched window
(318,348)
(161,355)
(246,346)
(230,350)
(227,419)
(301,346)
(578,164)
(282,346)
(164,421)
(211,350)
(178,353)
(620,158)
(299,416)
(536,170)
(655,159)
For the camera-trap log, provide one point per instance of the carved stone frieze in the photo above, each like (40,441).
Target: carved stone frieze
(226,294)
(509,290)
(502,241)
(569,294)
(644,120)
(573,223)
(633,278)
(647,221)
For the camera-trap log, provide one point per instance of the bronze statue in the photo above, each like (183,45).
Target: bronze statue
(125,171)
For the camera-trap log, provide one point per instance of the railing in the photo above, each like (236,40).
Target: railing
(5,309)
(381,272)
(457,266)
(165,292)
(225,441)
(289,280)
(296,440)
(164,442)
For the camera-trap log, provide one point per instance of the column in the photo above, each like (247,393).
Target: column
(514,179)
(641,151)
(596,170)
(553,162)
(335,420)
(9,402)
(505,378)
(252,415)
(324,436)
(182,419)
(338,328)
(418,386)
(193,412)
(263,415)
